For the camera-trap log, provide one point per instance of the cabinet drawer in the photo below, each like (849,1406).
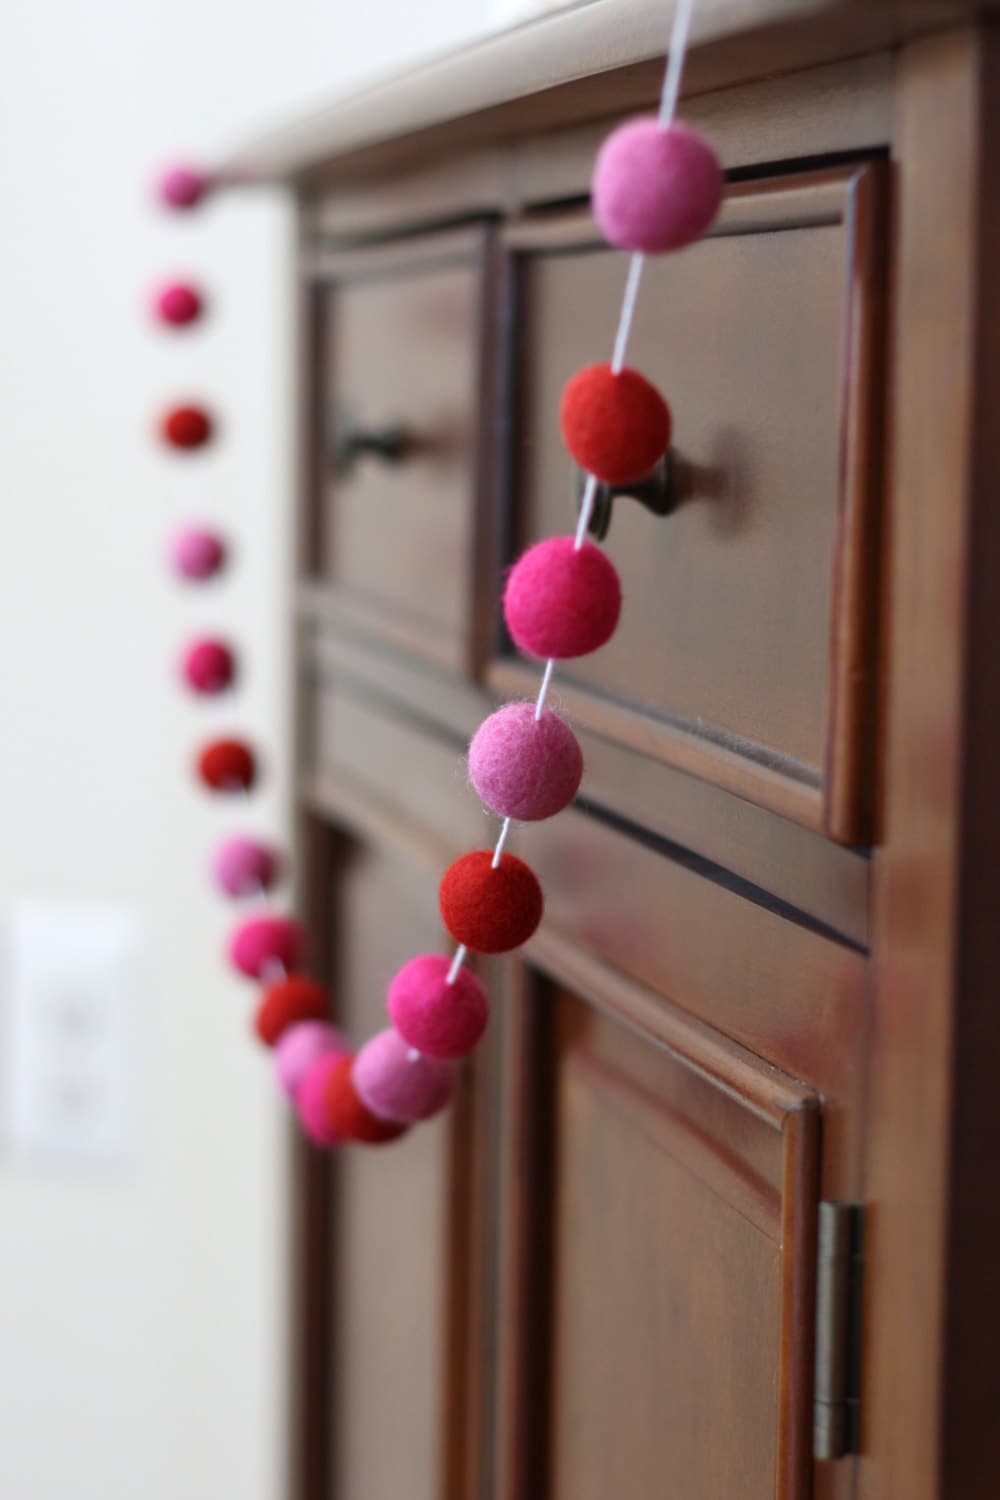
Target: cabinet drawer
(746,651)
(400,368)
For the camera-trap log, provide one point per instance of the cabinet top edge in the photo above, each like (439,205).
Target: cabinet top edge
(566,66)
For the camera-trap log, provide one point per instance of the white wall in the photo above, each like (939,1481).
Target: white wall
(141,1311)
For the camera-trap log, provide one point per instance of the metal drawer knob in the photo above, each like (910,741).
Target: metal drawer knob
(390,444)
(657,493)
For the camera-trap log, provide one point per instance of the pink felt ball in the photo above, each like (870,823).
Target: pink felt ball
(562,600)
(522,767)
(182,186)
(244,867)
(398,1083)
(208,666)
(197,554)
(310,1103)
(265,944)
(440,1019)
(178,304)
(302,1045)
(655,189)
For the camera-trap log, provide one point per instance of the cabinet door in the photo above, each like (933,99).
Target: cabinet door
(385,1309)
(660,1204)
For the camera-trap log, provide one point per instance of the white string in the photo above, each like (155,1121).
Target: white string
(586,511)
(543,691)
(504,831)
(629,300)
(456,963)
(673,74)
(675,62)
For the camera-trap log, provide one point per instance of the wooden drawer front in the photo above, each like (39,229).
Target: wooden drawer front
(664,1343)
(395,539)
(745,653)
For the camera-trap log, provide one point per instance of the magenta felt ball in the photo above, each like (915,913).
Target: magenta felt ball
(398,1083)
(655,189)
(181,186)
(302,1045)
(562,600)
(441,1019)
(264,945)
(525,768)
(208,666)
(244,867)
(310,1102)
(197,554)
(178,304)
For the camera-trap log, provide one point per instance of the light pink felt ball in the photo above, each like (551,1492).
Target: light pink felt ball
(182,186)
(244,867)
(310,1103)
(208,666)
(655,189)
(265,944)
(440,1019)
(197,554)
(398,1083)
(178,304)
(561,600)
(525,768)
(302,1045)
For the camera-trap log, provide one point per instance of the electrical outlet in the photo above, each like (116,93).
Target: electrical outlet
(72,1057)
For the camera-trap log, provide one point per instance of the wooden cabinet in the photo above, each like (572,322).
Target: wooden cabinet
(763,995)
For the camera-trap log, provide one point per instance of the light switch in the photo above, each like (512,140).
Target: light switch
(72,1055)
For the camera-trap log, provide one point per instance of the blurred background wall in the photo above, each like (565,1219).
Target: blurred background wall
(142,1341)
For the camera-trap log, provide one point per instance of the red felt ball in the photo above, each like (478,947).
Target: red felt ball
(562,600)
(186,427)
(288,1001)
(490,910)
(227,766)
(617,427)
(349,1119)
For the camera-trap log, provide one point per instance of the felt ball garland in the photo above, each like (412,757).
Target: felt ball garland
(287,1001)
(263,944)
(400,1084)
(562,600)
(299,1047)
(197,553)
(186,427)
(655,189)
(615,425)
(437,1012)
(657,186)
(208,665)
(178,304)
(490,908)
(182,186)
(525,765)
(310,1100)
(293,1015)
(244,867)
(348,1116)
(227,766)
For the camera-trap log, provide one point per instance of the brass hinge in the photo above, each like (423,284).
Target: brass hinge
(837,1388)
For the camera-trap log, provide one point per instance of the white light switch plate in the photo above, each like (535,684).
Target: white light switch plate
(72,1034)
